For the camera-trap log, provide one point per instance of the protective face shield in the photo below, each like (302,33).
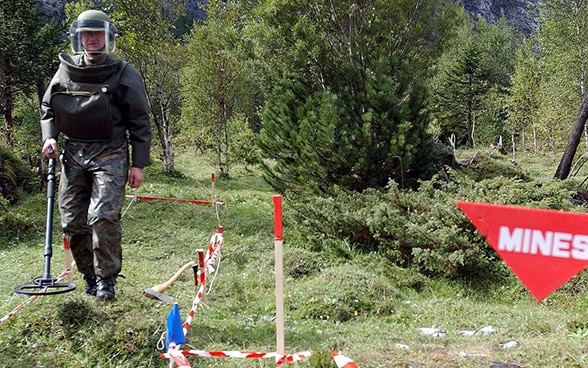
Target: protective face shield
(93,34)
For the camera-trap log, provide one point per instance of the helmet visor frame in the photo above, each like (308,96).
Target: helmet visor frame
(92,25)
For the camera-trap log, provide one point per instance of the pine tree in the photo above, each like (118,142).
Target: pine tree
(362,124)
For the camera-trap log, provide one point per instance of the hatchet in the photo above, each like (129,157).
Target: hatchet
(155,292)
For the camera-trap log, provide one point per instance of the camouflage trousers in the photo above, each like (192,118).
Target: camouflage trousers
(91,194)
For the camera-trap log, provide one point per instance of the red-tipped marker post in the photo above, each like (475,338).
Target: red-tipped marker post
(68,259)
(279,269)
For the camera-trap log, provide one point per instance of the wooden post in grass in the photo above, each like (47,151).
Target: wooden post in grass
(212,195)
(68,259)
(279,269)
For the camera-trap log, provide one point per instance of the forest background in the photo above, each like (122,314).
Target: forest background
(371,117)
(485,83)
(211,80)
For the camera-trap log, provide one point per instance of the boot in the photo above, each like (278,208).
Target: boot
(90,286)
(105,289)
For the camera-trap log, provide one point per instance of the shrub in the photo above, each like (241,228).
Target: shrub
(13,226)
(424,228)
(15,175)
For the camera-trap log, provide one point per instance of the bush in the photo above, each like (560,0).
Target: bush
(21,223)
(424,228)
(481,167)
(15,175)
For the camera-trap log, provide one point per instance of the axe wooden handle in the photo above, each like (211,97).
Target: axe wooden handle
(161,287)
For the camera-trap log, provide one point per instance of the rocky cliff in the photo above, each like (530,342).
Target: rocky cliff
(521,14)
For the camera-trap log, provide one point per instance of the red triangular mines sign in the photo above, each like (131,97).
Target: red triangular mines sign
(544,248)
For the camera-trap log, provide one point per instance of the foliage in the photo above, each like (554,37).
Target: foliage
(26,47)
(242,148)
(13,225)
(561,49)
(149,44)
(415,32)
(75,8)
(22,58)
(424,228)
(217,85)
(349,112)
(15,175)
(491,165)
(357,289)
(471,82)
(525,95)
(27,144)
(17,181)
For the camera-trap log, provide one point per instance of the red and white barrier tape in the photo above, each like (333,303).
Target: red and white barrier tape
(31,299)
(340,360)
(167,199)
(280,359)
(195,304)
(178,356)
(210,258)
(343,361)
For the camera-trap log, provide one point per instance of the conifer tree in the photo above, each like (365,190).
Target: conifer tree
(345,109)
(472,79)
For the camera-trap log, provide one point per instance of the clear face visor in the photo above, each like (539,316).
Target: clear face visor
(92,36)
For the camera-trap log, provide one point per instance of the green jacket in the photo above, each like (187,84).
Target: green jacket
(130,113)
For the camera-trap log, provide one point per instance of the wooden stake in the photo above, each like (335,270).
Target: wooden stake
(279,269)
(68,259)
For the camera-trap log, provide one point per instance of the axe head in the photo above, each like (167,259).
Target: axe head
(153,294)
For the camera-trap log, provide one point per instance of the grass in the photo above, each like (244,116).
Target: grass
(368,309)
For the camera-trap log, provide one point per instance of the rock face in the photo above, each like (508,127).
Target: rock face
(52,9)
(521,14)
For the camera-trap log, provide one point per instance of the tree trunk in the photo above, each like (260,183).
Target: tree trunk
(565,165)
(514,147)
(162,125)
(166,136)
(470,106)
(535,148)
(7,112)
(162,134)
(222,127)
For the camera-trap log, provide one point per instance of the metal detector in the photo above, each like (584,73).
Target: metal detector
(47,285)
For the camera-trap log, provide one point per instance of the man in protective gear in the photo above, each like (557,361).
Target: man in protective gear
(97,103)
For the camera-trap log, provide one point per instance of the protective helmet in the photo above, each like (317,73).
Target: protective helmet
(93,21)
